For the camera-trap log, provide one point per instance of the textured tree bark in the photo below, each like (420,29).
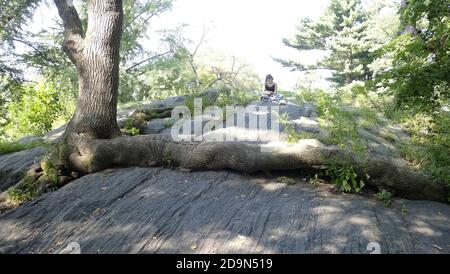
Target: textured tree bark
(95,53)
(96,56)
(156,150)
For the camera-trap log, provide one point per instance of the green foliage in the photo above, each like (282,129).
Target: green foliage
(26,192)
(337,119)
(36,110)
(283,118)
(8,87)
(344,32)
(19,196)
(430,136)
(189,102)
(343,175)
(9,147)
(235,98)
(293,135)
(43,49)
(50,171)
(418,76)
(346,110)
(167,159)
(226,98)
(133,131)
(343,112)
(290,129)
(135,24)
(13,15)
(130,126)
(185,70)
(385,197)
(404,211)
(314,180)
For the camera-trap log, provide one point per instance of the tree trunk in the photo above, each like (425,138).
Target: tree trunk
(95,54)
(156,150)
(96,57)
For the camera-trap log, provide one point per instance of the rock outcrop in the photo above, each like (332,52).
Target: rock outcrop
(155,210)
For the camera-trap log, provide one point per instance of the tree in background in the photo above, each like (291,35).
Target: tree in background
(187,68)
(416,75)
(343,33)
(144,74)
(418,72)
(42,52)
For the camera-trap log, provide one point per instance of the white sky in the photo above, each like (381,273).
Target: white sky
(249,29)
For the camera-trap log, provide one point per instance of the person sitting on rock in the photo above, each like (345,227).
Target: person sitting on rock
(270,87)
(271,91)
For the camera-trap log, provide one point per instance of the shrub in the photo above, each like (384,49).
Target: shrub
(26,193)
(337,119)
(430,136)
(131,126)
(343,175)
(385,197)
(35,111)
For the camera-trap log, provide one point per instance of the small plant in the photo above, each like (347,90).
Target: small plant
(315,179)
(133,131)
(343,175)
(404,211)
(293,136)
(286,180)
(167,159)
(283,119)
(19,196)
(385,197)
(189,102)
(25,193)
(50,172)
(130,127)
(234,97)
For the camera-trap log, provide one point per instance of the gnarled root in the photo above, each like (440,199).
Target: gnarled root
(155,150)
(93,155)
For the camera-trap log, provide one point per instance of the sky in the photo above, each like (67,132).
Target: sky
(251,30)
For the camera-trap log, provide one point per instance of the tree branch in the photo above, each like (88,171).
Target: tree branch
(146,60)
(154,13)
(73,29)
(297,66)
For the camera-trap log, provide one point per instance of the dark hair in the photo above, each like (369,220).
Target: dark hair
(269,77)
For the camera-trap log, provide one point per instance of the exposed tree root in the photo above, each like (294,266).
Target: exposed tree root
(156,150)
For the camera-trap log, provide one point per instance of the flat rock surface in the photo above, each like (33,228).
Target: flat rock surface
(155,210)
(13,165)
